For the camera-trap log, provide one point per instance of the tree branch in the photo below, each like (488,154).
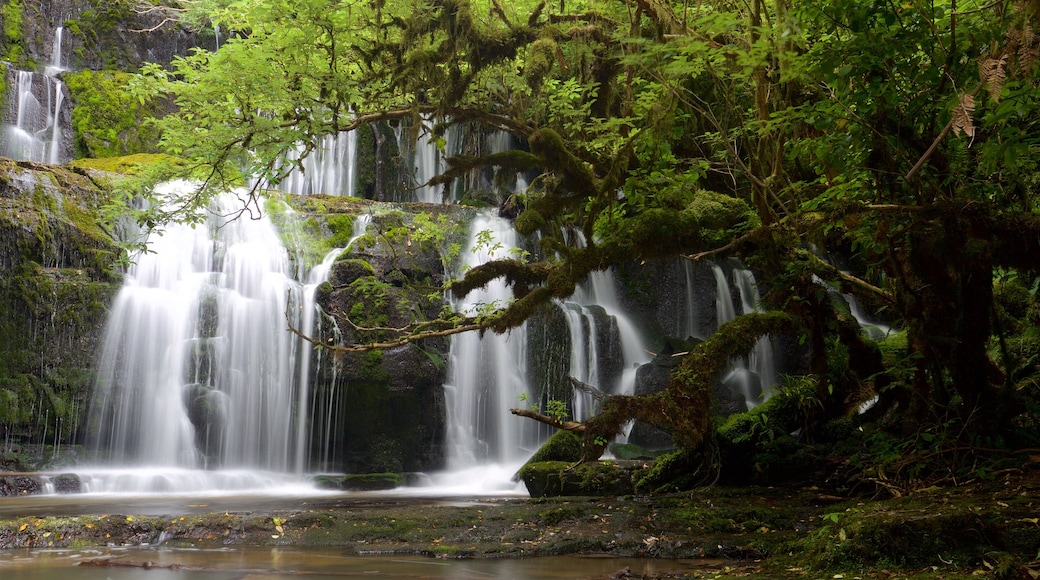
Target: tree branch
(573,426)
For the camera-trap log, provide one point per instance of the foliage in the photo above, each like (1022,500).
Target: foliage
(903,135)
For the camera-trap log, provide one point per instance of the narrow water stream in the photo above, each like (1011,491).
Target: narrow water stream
(166,563)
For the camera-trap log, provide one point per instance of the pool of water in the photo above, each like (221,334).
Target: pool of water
(251,563)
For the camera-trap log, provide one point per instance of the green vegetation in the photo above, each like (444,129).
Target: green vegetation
(11,16)
(107,121)
(899,136)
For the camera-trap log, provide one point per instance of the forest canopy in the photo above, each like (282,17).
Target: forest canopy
(901,135)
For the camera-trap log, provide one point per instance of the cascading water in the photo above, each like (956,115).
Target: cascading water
(596,320)
(196,368)
(55,66)
(426,162)
(755,375)
(325,410)
(330,168)
(36,132)
(487,373)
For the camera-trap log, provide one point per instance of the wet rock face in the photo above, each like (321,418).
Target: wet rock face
(100,35)
(58,273)
(391,415)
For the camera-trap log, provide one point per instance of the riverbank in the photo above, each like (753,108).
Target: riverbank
(988,526)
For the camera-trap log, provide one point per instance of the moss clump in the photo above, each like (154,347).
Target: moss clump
(371,481)
(917,531)
(562,446)
(360,481)
(107,121)
(341,227)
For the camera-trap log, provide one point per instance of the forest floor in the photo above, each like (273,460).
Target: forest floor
(989,527)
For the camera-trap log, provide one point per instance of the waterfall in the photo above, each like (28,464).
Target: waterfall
(55,66)
(196,368)
(325,407)
(753,376)
(329,168)
(426,163)
(597,322)
(36,132)
(308,316)
(486,373)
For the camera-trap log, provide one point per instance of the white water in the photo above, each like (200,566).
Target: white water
(330,168)
(600,291)
(752,376)
(56,66)
(486,375)
(426,163)
(325,412)
(197,369)
(36,131)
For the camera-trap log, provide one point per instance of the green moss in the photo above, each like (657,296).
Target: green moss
(12,15)
(107,120)
(3,83)
(917,532)
(562,446)
(597,478)
(341,228)
(126,164)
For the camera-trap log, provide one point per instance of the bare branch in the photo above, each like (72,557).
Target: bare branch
(583,386)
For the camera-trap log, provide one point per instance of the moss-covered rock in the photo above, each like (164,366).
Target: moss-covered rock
(58,272)
(600,478)
(107,121)
(562,446)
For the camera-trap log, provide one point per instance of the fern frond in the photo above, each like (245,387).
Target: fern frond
(993,73)
(962,121)
(1028,49)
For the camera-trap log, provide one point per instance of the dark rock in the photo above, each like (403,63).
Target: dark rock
(13,485)
(67,483)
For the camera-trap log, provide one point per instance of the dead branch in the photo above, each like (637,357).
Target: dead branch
(582,386)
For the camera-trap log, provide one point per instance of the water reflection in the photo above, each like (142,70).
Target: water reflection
(240,563)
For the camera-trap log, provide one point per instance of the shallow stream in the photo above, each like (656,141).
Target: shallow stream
(253,563)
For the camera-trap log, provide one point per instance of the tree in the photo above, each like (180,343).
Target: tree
(901,135)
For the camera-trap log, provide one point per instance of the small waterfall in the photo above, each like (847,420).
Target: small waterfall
(688,324)
(325,407)
(330,168)
(308,326)
(606,347)
(753,376)
(35,130)
(427,162)
(196,368)
(55,67)
(487,373)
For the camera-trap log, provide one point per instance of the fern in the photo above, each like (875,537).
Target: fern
(962,121)
(992,72)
